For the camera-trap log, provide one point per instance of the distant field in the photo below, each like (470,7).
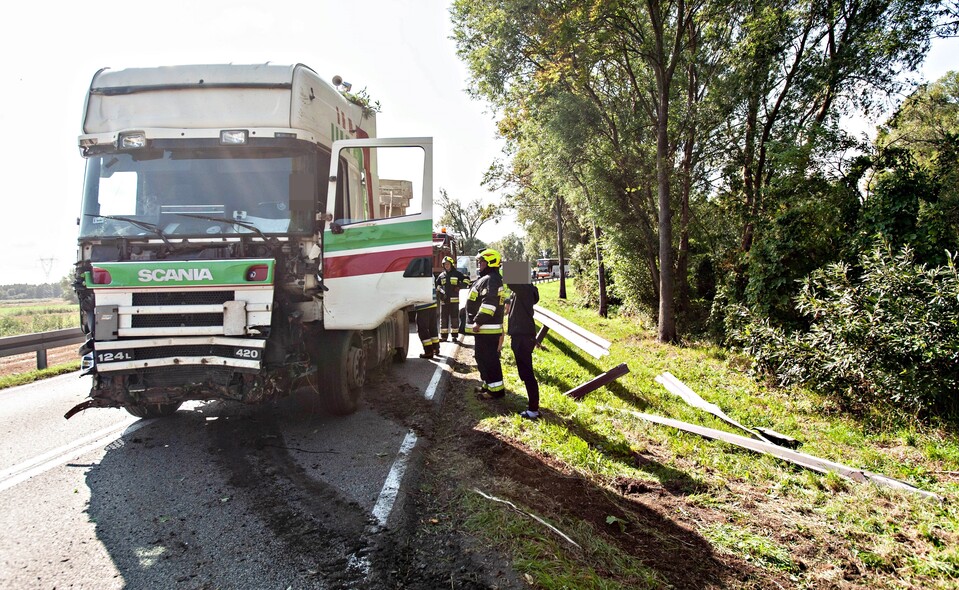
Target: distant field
(37,315)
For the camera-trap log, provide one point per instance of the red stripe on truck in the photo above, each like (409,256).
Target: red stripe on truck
(374,262)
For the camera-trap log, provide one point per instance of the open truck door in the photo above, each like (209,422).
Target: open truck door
(377,240)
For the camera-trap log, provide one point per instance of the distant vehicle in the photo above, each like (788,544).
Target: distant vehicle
(467,266)
(549,268)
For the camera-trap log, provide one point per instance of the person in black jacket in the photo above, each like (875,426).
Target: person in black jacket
(484,313)
(522,340)
(448,285)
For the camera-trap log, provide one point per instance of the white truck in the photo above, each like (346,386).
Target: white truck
(235,241)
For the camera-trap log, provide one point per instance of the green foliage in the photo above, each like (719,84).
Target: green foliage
(904,208)
(466,220)
(362,99)
(785,250)
(21,291)
(28,319)
(886,334)
(510,247)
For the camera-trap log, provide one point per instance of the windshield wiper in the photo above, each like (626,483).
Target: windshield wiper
(228,221)
(150,227)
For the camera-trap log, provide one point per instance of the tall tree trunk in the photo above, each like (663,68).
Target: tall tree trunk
(560,247)
(667,316)
(603,303)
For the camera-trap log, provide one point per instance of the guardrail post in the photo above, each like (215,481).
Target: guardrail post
(580,391)
(541,334)
(42,359)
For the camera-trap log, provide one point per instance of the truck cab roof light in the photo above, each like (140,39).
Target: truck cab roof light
(132,141)
(234,136)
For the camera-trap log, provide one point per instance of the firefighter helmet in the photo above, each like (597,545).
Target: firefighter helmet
(450,260)
(490,256)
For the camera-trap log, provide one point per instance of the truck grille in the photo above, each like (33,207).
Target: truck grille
(182,298)
(177,320)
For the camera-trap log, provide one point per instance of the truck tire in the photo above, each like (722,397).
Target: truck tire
(339,392)
(152,410)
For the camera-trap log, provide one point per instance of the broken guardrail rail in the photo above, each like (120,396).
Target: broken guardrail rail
(590,343)
(801,459)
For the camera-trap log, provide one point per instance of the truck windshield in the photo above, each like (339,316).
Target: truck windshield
(190,193)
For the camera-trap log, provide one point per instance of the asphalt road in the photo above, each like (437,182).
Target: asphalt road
(217,496)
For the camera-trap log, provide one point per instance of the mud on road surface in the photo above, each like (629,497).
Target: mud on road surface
(332,542)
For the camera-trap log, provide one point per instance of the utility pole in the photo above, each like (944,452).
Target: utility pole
(47,265)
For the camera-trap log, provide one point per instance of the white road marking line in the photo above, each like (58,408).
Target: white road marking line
(437,375)
(435,381)
(30,468)
(391,487)
(41,458)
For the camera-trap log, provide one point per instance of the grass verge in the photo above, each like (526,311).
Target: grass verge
(38,374)
(653,507)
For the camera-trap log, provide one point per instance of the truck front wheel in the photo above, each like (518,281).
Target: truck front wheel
(342,369)
(152,410)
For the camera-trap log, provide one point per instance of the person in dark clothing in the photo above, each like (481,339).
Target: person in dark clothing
(448,285)
(484,313)
(426,328)
(522,340)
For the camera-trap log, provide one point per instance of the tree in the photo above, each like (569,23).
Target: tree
(510,247)
(912,196)
(466,220)
(67,292)
(796,68)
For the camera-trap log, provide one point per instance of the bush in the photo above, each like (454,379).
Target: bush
(887,333)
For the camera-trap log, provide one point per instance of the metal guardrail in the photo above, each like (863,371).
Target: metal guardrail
(40,342)
(595,346)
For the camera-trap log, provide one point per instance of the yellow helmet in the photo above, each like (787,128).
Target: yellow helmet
(491,257)
(450,260)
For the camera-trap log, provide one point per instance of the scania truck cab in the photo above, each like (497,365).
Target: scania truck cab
(237,239)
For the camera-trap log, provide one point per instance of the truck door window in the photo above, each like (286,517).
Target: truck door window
(381,183)
(397,185)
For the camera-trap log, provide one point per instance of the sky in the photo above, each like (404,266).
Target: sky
(400,51)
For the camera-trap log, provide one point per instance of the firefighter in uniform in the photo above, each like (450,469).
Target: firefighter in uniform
(484,314)
(448,285)
(426,327)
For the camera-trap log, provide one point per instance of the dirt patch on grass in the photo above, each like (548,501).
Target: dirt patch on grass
(648,523)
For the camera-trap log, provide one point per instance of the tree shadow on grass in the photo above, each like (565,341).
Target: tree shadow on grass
(615,387)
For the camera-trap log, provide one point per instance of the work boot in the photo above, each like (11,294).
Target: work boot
(428,353)
(444,338)
(436,349)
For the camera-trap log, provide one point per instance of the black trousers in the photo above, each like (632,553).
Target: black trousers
(426,327)
(488,363)
(449,319)
(522,346)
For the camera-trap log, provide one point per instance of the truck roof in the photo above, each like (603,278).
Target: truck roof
(213,97)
